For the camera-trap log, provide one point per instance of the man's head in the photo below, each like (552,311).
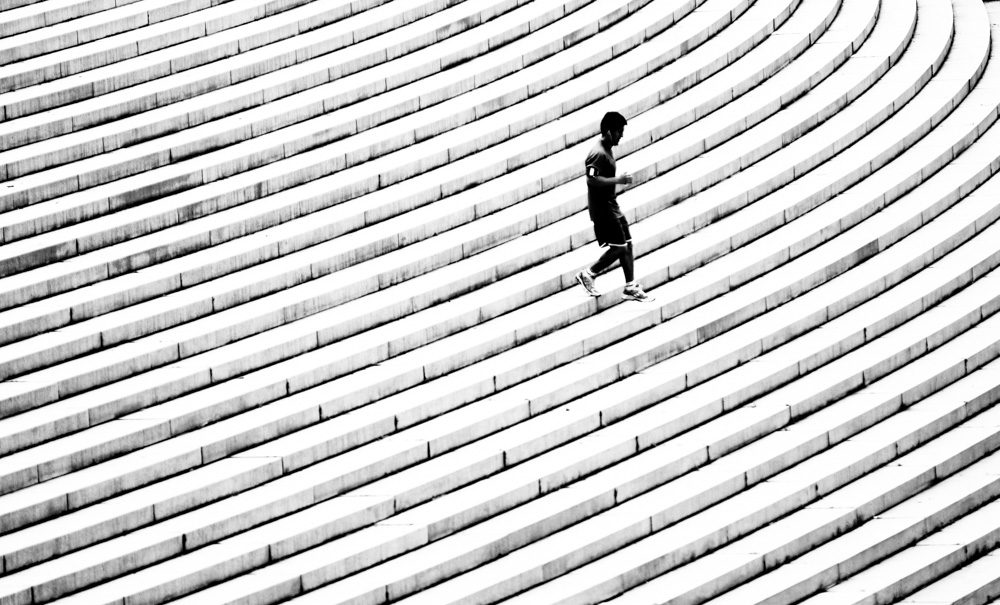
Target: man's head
(613,128)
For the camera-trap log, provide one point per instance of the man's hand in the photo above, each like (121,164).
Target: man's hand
(625,179)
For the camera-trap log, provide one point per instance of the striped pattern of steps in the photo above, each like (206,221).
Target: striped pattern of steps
(288,310)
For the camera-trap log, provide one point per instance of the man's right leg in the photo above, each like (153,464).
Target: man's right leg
(611,234)
(610,255)
(586,276)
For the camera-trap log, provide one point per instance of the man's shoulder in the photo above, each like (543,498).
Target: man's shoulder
(597,151)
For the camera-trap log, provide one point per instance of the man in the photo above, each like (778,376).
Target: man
(610,226)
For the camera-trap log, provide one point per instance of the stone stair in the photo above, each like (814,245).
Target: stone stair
(309,330)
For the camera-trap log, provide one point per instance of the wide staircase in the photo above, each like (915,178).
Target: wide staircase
(288,309)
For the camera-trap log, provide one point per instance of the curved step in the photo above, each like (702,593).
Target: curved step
(300,165)
(95,418)
(934,325)
(162,23)
(320,566)
(232,32)
(402,532)
(725,400)
(176,126)
(882,479)
(235,83)
(973,584)
(164,213)
(423,224)
(174,278)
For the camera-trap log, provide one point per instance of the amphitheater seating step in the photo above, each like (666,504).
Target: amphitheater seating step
(216,299)
(130,30)
(300,323)
(462,242)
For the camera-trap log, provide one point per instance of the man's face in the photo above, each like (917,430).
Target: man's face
(615,135)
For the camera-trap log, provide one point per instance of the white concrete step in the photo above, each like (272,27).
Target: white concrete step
(18,16)
(463,208)
(424,223)
(856,556)
(308,260)
(78,314)
(930,324)
(228,33)
(233,84)
(943,552)
(133,90)
(242,81)
(652,511)
(960,265)
(974,584)
(130,223)
(98,179)
(861,480)
(162,23)
(360,307)
(460,26)
(505,533)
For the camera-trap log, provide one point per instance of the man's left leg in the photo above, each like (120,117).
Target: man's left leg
(633,290)
(628,263)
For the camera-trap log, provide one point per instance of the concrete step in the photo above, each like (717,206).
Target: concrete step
(230,33)
(879,544)
(279,502)
(17,16)
(654,510)
(282,388)
(424,223)
(233,84)
(462,208)
(433,314)
(160,84)
(723,347)
(160,23)
(938,556)
(424,41)
(313,252)
(129,183)
(931,324)
(974,584)
(217,299)
(164,213)
(881,477)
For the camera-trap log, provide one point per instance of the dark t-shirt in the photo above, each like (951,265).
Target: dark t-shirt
(601,199)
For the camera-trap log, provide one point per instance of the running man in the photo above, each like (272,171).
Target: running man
(610,226)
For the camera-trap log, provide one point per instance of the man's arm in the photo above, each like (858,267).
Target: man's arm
(595,165)
(607,181)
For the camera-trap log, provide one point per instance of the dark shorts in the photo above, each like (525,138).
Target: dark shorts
(612,231)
